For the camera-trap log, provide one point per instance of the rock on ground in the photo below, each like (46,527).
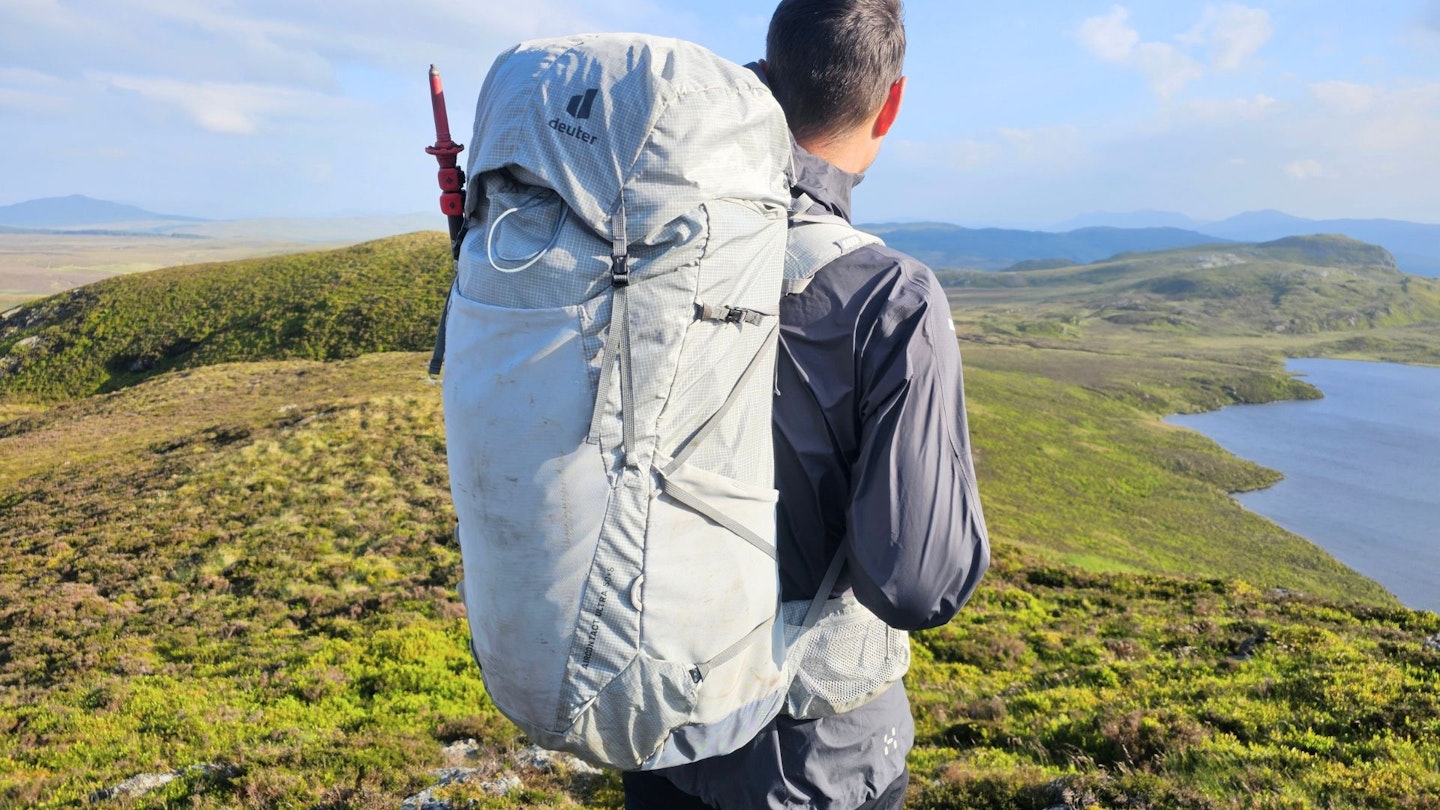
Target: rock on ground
(143,783)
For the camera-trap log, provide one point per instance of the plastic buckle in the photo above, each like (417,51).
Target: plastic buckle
(619,271)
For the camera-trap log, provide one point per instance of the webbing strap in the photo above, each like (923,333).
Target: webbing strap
(627,376)
(827,584)
(729,314)
(698,504)
(437,357)
(713,422)
(620,280)
(816,238)
(617,344)
(703,670)
(608,358)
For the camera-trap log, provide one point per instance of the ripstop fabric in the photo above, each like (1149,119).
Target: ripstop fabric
(610,365)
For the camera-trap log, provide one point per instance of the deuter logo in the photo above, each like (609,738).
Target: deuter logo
(580,106)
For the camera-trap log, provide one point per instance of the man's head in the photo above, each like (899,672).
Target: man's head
(835,66)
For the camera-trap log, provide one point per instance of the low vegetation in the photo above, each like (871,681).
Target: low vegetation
(241,573)
(1060,687)
(379,296)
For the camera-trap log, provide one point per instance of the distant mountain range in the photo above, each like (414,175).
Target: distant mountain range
(81,215)
(945,246)
(1416,246)
(1084,239)
(78,210)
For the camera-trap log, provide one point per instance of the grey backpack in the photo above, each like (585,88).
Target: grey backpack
(607,403)
(607,397)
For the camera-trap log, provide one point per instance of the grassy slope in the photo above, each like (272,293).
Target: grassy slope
(1073,475)
(247,565)
(379,296)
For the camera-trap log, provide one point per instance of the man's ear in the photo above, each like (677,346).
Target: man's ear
(889,109)
(764,68)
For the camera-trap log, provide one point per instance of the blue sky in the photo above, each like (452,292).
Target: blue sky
(1022,113)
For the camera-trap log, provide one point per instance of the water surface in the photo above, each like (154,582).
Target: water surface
(1361,466)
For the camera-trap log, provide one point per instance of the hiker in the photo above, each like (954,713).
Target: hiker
(872,446)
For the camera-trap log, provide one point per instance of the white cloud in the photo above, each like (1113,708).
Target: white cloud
(29,101)
(1059,146)
(39,12)
(24,77)
(1308,169)
(235,109)
(1236,109)
(30,90)
(1346,98)
(1232,33)
(962,156)
(1400,124)
(1056,149)
(1107,36)
(1166,68)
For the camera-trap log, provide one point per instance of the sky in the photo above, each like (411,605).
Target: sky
(1019,114)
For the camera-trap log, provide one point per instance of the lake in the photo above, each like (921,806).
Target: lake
(1361,466)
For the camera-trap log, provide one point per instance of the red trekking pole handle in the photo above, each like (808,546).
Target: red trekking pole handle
(445,150)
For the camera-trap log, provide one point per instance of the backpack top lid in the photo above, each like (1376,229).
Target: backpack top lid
(664,121)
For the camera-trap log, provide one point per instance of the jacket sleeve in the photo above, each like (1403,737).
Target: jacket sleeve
(915,534)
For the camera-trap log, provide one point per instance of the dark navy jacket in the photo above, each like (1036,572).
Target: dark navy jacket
(872,452)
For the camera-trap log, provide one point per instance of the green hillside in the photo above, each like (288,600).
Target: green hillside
(378,296)
(1300,285)
(241,573)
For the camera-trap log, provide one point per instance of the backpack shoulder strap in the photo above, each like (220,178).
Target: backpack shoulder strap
(816,240)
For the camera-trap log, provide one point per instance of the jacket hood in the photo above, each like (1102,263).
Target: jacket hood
(823,181)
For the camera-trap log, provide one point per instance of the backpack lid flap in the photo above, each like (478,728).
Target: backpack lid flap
(665,121)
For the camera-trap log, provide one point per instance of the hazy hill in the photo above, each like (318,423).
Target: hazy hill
(1416,246)
(310,229)
(1130,219)
(77,209)
(944,246)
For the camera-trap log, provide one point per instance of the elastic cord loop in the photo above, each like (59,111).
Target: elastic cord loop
(490,253)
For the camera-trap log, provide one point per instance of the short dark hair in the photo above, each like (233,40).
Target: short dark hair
(831,63)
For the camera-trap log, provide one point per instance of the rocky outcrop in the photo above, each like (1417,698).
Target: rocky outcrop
(137,786)
(499,779)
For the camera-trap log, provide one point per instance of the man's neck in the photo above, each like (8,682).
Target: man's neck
(853,152)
